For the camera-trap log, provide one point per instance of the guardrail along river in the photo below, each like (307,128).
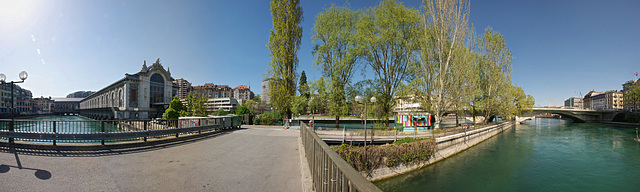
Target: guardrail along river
(543,155)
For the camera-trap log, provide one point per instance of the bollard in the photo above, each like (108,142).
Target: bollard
(395,134)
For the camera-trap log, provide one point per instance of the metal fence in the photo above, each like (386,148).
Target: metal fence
(94,131)
(329,171)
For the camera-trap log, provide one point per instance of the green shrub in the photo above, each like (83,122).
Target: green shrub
(404,151)
(407,140)
(268,118)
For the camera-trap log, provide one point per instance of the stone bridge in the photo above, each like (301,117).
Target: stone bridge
(577,115)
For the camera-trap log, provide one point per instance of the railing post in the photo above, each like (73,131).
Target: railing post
(145,128)
(54,131)
(103,131)
(11,124)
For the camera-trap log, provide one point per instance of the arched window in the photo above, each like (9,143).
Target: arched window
(113,99)
(120,103)
(157,89)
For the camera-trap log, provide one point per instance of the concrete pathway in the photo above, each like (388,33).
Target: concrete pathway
(247,159)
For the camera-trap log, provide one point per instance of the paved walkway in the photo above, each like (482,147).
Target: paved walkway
(247,159)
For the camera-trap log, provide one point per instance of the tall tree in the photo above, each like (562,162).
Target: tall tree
(318,101)
(196,104)
(284,43)
(336,53)
(303,88)
(494,77)
(390,32)
(632,96)
(444,55)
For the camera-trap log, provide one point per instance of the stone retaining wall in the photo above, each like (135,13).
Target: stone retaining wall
(446,147)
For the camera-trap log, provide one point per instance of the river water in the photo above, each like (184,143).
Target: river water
(543,155)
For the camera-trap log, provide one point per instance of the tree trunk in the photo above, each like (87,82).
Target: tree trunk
(337,121)
(457,113)
(473,114)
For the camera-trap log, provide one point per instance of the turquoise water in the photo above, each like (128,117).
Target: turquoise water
(545,155)
(63,124)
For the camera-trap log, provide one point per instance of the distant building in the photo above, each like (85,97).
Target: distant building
(143,95)
(242,93)
(22,101)
(44,105)
(183,88)
(227,104)
(66,106)
(211,90)
(587,101)
(80,94)
(5,98)
(609,100)
(407,104)
(574,102)
(264,97)
(626,87)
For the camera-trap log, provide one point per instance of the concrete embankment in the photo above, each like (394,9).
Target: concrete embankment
(446,146)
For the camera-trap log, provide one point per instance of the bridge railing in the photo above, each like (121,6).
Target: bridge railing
(101,131)
(329,171)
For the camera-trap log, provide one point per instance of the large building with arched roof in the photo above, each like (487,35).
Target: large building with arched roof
(143,95)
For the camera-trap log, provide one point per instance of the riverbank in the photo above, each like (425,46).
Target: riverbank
(446,146)
(622,123)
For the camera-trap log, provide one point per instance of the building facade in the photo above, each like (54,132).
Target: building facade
(242,93)
(22,99)
(143,95)
(264,96)
(587,101)
(5,98)
(609,100)
(227,104)
(66,106)
(573,102)
(211,90)
(183,88)
(80,94)
(625,88)
(44,105)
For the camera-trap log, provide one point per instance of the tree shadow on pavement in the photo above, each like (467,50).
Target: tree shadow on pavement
(106,150)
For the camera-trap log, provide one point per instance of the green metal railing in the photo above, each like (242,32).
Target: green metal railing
(94,131)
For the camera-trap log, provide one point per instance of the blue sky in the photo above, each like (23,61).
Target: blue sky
(561,48)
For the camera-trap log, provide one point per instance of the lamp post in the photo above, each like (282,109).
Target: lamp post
(361,101)
(23,76)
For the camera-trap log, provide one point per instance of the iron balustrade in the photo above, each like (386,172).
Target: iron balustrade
(93,131)
(329,171)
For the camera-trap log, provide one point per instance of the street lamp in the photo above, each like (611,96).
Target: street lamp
(360,100)
(23,76)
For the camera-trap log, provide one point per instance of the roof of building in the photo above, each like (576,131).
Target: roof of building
(67,99)
(242,88)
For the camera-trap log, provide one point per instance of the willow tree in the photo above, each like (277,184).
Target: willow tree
(284,43)
(390,32)
(443,57)
(336,52)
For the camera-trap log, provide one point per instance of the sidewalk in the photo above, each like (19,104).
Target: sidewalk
(248,159)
